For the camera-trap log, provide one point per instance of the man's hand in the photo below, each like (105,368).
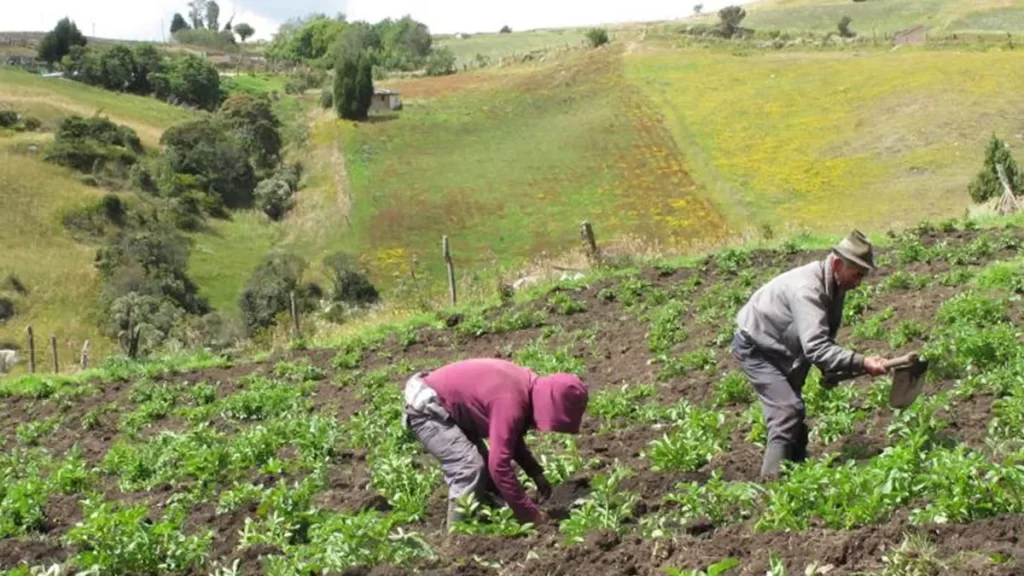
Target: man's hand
(541,518)
(875,365)
(543,487)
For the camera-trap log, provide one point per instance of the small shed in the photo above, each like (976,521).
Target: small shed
(385,100)
(915,36)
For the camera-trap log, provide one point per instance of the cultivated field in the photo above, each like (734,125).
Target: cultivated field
(298,463)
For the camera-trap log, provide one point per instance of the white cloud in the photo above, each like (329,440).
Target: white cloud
(150,19)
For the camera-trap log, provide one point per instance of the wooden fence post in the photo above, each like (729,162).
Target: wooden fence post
(53,349)
(296,328)
(85,356)
(446,252)
(31,350)
(589,244)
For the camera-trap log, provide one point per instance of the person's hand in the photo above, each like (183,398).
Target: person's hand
(541,518)
(543,487)
(875,365)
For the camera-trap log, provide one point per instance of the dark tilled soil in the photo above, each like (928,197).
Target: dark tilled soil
(617,354)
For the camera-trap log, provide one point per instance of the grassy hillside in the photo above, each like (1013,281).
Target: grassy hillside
(52,98)
(887,16)
(57,270)
(818,140)
(510,165)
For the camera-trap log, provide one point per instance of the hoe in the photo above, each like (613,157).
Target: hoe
(907,372)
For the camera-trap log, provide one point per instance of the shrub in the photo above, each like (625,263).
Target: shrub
(205,150)
(986,184)
(597,37)
(31,123)
(258,129)
(729,20)
(844,27)
(273,197)
(151,262)
(96,219)
(192,81)
(8,118)
(268,291)
(327,99)
(142,322)
(350,285)
(6,309)
(441,62)
(95,146)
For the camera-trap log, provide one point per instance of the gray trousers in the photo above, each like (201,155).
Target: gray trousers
(781,403)
(463,462)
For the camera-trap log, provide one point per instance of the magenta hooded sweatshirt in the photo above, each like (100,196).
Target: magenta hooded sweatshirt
(500,401)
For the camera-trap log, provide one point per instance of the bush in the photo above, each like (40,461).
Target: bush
(986,184)
(729,20)
(95,146)
(6,309)
(149,262)
(8,118)
(140,178)
(31,123)
(268,292)
(191,81)
(258,129)
(211,158)
(96,220)
(304,79)
(441,62)
(274,197)
(327,99)
(844,27)
(597,37)
(351,285)
(142,322)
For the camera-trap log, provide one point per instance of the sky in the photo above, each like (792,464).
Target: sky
(150,19)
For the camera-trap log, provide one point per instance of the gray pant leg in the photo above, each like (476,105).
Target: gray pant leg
(781,403)
(461,462)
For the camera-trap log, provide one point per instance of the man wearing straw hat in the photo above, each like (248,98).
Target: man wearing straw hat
(788,325)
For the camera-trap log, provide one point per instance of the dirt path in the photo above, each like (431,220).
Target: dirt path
(323,204)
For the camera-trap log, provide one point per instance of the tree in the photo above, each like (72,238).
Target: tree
(844,27)
(58,42)
(698,8)
(148,60)
(196,12)
(244,31)
(356,38)
(729,20)
(253,120)
(178,23)
(505,30)
(192,81)
(364,84)
(350,101)
(405,43)
(212,15)
(212,158)
(986,184)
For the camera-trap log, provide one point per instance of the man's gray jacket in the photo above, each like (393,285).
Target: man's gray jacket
(794,319)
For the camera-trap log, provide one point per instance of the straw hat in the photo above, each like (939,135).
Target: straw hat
(856,248)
